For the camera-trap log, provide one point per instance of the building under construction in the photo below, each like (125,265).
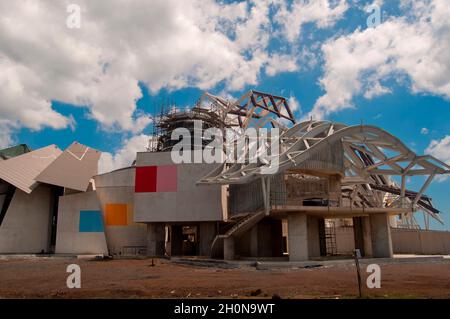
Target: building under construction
(337,188)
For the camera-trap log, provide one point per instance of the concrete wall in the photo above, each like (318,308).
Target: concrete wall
(117,187)
(345,241)
(298,237)
(190,203)
(69,240)
(26,226)
(406,241)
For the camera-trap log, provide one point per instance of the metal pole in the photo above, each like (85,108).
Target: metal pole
(357,254)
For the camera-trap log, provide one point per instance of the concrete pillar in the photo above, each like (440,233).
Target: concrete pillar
(155,239)
(313,236)
(207,233)
(381,235)
(334,189)
(298,237)
(228,248)
(176,240)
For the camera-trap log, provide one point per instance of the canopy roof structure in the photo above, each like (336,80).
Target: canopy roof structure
(21,171)
(72,168)
(371,159)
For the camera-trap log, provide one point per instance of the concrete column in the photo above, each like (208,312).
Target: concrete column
(298,237)
(155,239)
(334,188)
(207,233)
(381,235)
(313,236)
(228,248)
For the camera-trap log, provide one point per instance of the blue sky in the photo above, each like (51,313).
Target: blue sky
(335,62)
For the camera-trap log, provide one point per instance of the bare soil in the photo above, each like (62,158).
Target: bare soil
(46,278)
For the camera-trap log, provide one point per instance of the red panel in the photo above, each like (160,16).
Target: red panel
(145,181)
(166,180)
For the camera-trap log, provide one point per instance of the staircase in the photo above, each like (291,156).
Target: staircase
(238,225)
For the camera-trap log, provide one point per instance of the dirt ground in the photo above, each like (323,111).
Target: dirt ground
(46,278)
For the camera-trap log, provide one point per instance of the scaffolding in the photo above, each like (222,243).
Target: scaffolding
(194,120)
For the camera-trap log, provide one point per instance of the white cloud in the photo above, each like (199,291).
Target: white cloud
(323,13)
(415,45)
(124,156)
(376,89)
(294,104)
(281,63)
(424,131)
(160,43)
(5,135)
(441,150)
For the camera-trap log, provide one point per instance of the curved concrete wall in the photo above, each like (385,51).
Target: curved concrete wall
(26,226)
(71,238)
(117,188)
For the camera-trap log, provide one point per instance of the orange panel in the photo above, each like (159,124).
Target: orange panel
(116,215)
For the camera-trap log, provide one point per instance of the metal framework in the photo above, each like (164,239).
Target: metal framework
(372,157)
(253,109)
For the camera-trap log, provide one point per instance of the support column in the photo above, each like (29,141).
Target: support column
(298,237)
(155,239)
(228,248)
(381,235)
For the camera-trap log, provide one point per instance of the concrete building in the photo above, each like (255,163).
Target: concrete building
(336,188)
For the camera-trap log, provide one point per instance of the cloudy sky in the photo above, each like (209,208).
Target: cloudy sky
(99,84)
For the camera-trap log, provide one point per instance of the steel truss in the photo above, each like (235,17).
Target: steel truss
(372,157)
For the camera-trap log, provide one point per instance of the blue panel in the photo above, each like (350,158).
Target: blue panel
(91,221)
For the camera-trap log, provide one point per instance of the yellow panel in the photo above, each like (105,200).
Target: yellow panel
(116,215)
